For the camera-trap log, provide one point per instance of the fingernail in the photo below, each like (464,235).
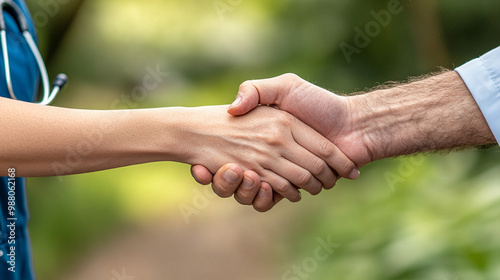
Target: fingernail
(230,176)
(354,174)
(236,102)
(247,183)
(262,193)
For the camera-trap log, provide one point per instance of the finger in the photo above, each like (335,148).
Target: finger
(264,200)
(331,186)
(289,167)
(248,189)
(246,100)
(314,174)
(326,150)
(266,92)
(227,179)
(304,156)
(283,186)
(201,174)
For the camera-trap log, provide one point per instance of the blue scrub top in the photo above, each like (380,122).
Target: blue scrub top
(25,80)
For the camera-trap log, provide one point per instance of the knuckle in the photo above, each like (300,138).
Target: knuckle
(273,139)
(283,119)
(245,84)
(327,149)
(318,167)
(282,186)
(290,77)
(304,178)
(315,188)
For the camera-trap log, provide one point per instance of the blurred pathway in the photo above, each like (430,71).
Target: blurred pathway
(225,241)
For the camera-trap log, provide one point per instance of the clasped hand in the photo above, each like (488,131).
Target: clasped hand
(291,155)
(281,151)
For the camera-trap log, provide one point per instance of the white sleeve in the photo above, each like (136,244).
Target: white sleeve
(482,77)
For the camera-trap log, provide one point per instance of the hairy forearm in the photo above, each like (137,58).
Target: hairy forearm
(47,141)
(432,114)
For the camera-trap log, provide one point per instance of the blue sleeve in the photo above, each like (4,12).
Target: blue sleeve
(482,77)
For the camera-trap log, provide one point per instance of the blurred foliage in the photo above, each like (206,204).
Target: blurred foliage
(439,222)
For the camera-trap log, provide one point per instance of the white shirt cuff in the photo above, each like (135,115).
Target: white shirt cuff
(482,77)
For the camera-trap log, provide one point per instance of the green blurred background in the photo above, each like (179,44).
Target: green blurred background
(432,217)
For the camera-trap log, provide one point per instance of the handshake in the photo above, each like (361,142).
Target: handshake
(307,141)
(309,137)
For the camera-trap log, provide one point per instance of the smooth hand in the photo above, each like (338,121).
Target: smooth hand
(284,152)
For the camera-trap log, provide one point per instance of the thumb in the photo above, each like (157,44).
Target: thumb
(264,92)
(201,174)
(227,180)
(246,100)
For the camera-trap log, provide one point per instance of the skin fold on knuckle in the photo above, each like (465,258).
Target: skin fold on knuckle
(281,186)
(327,149)
(318,167)
(304,179)
(316,189)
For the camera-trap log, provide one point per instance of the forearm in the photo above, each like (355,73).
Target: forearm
(432,114)
(47,141)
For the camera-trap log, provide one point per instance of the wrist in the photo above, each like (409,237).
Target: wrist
(427,115)
(366,119)
(191,135)
(170,134)
(149,135)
